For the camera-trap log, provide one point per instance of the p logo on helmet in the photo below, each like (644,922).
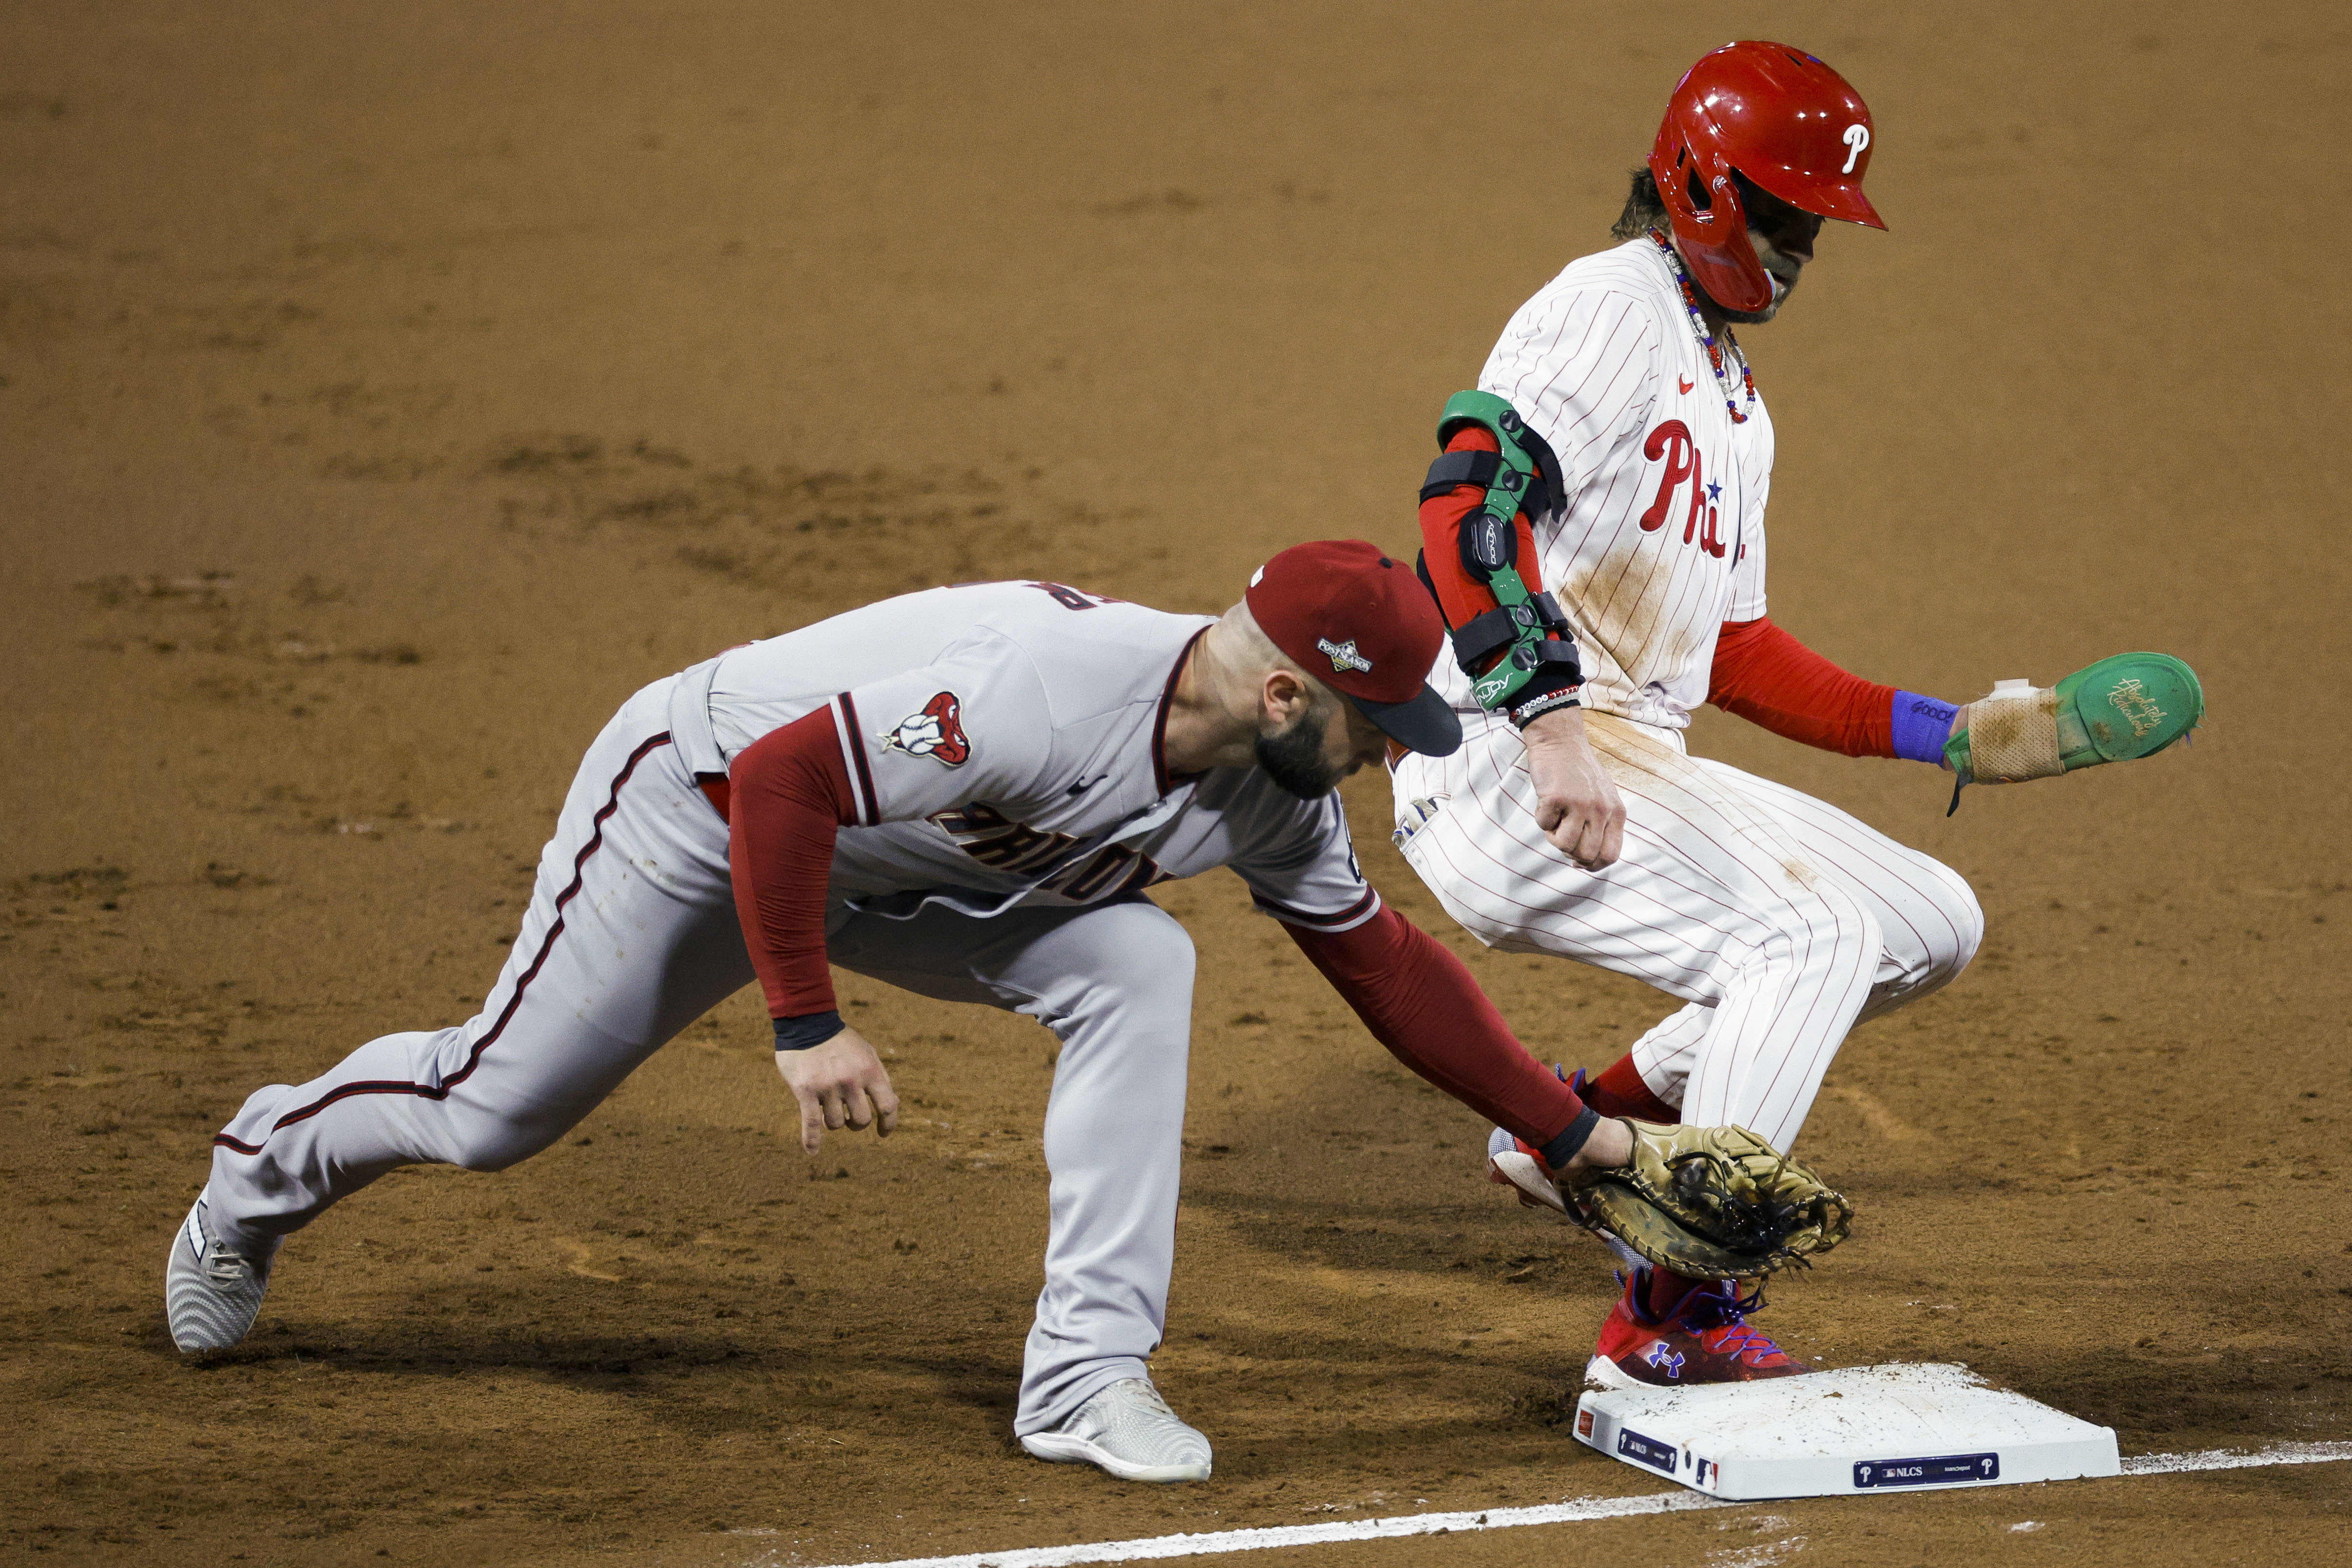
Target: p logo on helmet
(1858,138)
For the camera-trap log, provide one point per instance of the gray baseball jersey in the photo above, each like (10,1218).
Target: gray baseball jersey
(1004,745)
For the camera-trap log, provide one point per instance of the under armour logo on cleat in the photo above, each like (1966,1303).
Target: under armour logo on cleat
(1666,1360)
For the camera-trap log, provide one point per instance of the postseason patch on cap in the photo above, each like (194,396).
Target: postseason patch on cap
(1343,655)
(1344,605)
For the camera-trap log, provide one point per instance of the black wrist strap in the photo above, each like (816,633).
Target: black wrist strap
(1563,1149)
(807,1031)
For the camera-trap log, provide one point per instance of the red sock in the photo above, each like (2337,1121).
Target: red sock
(1620,1091)
(1666,1287)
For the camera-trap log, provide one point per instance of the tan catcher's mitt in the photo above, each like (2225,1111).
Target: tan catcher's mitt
(1711,1202)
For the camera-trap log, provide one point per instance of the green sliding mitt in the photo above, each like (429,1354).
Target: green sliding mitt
(2129,706)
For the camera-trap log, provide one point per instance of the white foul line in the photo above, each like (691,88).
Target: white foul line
(1209,1543)
(1572,1511)
(2225,1459)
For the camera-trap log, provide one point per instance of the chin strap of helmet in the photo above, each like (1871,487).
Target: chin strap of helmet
(1527,629)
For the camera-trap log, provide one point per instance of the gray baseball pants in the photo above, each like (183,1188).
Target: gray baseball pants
(632,935)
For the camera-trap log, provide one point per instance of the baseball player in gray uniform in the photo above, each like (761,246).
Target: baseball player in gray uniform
(965,792)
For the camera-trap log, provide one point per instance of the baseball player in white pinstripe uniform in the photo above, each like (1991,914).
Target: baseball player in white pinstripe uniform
(1573,820)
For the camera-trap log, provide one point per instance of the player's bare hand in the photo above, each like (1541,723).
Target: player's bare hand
(1576,805)
(840,1083)
(1610,1146)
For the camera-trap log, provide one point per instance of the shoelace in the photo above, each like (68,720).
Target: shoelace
(1728,1312)
(224,1268)
(1150,1398)
(1743,1341)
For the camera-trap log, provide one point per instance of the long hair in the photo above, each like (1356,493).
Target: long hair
(1645,209)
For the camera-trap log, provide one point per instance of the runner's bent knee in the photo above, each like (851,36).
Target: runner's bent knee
(1942,926)
(1826,927)
(1964,918)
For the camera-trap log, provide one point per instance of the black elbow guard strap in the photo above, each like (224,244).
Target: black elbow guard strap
(1488,635)
(1454,469)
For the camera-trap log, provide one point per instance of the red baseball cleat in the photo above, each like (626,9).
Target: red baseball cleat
(1703,1338)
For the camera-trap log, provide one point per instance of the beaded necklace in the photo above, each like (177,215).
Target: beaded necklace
(1706,339)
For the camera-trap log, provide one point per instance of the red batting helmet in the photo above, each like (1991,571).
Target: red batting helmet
(1785,120)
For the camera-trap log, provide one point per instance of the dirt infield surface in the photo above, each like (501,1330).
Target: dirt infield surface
(387,391)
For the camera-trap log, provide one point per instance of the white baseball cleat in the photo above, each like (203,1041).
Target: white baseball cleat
(211,1294)
(1128,1430)
(1513,1165)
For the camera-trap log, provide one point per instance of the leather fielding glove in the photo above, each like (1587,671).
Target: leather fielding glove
(1711,1202)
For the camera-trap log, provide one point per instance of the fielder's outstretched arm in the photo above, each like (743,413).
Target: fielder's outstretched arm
(1419,1001)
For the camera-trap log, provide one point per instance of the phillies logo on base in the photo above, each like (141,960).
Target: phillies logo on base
(936,732)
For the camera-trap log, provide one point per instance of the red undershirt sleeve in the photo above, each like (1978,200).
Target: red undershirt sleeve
(1461,597)
(1769,678)
(788,794)
(1419,1001)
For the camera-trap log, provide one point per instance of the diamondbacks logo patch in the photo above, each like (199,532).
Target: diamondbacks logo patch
(1343,655)
(936,732)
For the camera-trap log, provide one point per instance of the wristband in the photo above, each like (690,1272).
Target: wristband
(1535,708)
(1921,726)
(807,1031)
(1563,1149)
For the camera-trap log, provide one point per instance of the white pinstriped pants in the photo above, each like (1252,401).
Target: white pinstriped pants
(1781,922)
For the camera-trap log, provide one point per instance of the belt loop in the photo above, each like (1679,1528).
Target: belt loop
(689,719)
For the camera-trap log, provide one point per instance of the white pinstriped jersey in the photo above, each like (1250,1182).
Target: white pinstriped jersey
(1777,919)
(1663,537)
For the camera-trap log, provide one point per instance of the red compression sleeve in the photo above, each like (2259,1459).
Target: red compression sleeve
(788,792)
(1769,678)
(1421,1002)
(1461,597)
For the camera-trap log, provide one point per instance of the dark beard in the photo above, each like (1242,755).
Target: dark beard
(1755,318)
(1765,253)
(1293,758)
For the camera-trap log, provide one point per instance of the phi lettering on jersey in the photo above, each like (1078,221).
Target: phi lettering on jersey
(936,732)
(1673,442)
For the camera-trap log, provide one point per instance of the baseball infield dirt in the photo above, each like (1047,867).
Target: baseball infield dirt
(386,392)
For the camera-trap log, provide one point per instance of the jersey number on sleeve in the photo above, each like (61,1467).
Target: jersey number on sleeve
(1072,598)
